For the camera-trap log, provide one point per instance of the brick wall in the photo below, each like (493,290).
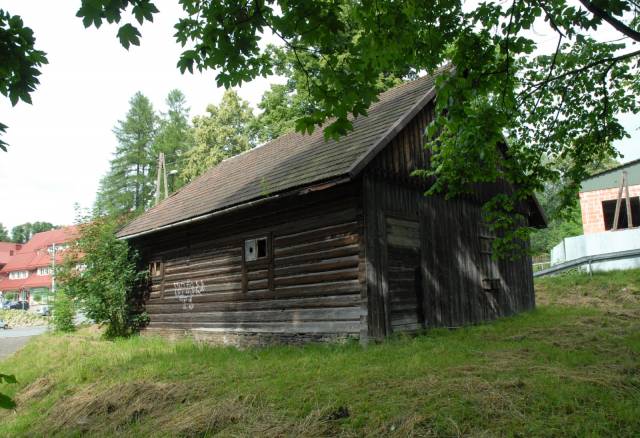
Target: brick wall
(591,206)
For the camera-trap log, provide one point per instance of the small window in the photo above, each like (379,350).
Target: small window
(255,249)
(609,212)
(491,284)
(155,268)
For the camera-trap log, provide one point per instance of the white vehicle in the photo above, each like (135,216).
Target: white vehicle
(3,325)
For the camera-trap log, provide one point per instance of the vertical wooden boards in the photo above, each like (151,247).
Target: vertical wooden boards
(403,261)
(376,319)
(450,262)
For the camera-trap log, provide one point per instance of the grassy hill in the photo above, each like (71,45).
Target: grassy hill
(571,367)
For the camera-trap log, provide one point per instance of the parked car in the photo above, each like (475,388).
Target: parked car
(20,305)
(3,325)
(44,311)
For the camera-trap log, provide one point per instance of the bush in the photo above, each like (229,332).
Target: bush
(101,273)
(63,313)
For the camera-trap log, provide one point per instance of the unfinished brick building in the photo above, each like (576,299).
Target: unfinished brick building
(605,192)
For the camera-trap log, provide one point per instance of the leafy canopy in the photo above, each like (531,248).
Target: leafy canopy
(24,232)
(227,130)
(546,105)
(20,62)
(562,104)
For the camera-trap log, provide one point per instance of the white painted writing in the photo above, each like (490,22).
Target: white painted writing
(185,290)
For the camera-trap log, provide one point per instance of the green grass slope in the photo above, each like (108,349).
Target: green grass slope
(569,368)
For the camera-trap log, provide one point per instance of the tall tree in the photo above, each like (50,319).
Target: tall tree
(4,234)
(559,102)
(548,102)
(285,106)
(227,130)
(128,185)
(22,233)
(174,136)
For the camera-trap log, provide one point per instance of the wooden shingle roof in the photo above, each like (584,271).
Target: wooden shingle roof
(289,162)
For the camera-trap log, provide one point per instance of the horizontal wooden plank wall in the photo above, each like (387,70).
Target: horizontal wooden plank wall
(311,285)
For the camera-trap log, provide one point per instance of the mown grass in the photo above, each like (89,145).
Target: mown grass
(569,368)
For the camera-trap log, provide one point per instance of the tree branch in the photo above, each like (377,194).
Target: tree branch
(612,60)
(617,24)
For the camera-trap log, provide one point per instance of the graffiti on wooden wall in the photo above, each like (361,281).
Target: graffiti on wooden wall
(185,291)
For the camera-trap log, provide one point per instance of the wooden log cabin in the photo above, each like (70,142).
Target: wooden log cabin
(303,239)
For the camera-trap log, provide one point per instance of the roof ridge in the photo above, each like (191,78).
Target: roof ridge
(288,162)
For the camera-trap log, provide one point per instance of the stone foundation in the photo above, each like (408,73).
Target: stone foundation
(249,339)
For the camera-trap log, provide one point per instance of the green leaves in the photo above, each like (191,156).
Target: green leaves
(20,62)
(93,12)
(7,378)
(227,130)
(5,401)
(107,288)
(128,34)
(144,10)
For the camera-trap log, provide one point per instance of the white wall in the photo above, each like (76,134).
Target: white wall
(572,248)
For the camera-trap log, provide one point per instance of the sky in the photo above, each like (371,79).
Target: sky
(61,145)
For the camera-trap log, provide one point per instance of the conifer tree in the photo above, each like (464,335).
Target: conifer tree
(174,137)
(128,185)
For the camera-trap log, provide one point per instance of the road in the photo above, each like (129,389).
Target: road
(13,339)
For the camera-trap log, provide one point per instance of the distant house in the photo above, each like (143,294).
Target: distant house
(305,239)
(7,250)
(599,195)
(29,267)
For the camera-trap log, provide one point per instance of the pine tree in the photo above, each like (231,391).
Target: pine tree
(227,130)
(128,185)
(174,137)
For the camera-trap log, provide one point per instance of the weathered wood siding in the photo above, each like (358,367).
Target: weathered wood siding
(455,280)
(310,284)
(459,282)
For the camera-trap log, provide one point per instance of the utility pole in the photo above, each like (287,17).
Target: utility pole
(53,271)
(162,173)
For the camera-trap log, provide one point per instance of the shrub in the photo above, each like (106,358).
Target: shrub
(63,313)
(101,273)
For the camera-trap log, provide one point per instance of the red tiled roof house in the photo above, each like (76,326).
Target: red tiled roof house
(28,268)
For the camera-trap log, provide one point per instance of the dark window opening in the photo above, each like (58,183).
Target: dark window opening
(255,249)
(609,212)
(155,268)
(262,248)
(491,284)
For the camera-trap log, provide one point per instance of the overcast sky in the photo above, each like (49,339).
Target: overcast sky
(61,145)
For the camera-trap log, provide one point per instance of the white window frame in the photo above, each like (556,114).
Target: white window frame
(18,275)
(44,270)
(251,249)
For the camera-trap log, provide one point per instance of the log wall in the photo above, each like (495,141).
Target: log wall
(308,288)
